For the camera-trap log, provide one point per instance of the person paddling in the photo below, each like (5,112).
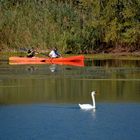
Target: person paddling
(54,53)
(31,52)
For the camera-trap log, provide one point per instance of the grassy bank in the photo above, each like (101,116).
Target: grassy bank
(114,56)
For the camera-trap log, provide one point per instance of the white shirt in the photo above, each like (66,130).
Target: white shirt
(52,54)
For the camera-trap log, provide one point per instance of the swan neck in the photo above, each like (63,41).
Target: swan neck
(93,100)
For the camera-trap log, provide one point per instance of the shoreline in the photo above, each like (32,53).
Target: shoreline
(100,55)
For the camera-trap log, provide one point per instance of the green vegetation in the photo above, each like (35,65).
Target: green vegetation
(112,56)
(77,26)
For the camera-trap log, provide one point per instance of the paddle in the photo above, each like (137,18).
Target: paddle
(25,50)
(42,53)
(22,49)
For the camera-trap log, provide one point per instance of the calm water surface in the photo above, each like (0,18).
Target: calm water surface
(39,102)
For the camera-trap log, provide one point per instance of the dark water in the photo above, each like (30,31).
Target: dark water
(38,104)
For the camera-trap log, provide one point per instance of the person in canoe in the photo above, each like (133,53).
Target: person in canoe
(31,52)
(54,53)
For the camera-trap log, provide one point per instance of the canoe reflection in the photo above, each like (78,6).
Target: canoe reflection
(31,69)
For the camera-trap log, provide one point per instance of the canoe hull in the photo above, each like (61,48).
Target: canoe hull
(72,60)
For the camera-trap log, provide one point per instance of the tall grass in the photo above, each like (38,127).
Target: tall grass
(33,24)
(69,25)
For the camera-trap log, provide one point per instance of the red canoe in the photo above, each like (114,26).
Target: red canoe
(71,60)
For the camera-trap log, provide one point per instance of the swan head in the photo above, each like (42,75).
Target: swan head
(93,93)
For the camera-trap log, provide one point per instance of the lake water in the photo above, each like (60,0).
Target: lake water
(39,102)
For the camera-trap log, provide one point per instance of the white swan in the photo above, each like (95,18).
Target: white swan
(89,106)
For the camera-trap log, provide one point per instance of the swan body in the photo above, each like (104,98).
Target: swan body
(89,106)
